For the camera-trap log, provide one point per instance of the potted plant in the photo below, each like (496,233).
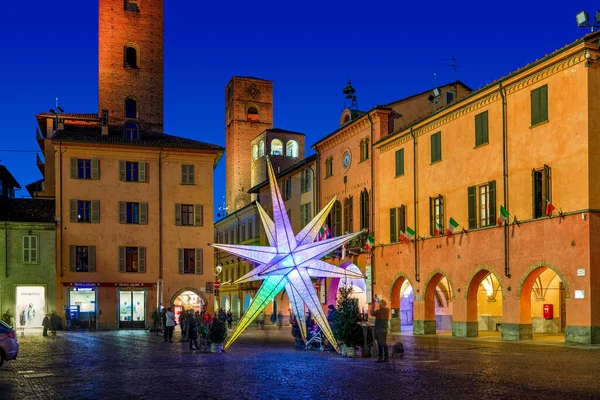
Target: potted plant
(346,327)
(217,332)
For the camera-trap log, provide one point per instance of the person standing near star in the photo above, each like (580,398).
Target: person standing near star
(382,322)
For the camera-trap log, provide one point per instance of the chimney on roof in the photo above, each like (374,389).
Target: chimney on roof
(105,122)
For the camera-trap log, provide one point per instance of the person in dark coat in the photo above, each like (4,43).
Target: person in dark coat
(46,325)
(309,322)
(192,333)
(382,321)
(229,318)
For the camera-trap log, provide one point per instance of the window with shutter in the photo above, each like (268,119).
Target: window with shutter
(141,260)
(122,170)
(143,171)
(539,105)
(95,168)
(187,214)
(95,211)
(73,162)
(91,258)
(199,262)
(143,213)
(81,258)
(400,162)
(472,205)
(402,218)
(541,190)
(178,214)
(481,128)
(199,215)
(393,228)
(436,147)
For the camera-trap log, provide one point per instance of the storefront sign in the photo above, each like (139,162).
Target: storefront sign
(108,284)
(369,283)
(83,289)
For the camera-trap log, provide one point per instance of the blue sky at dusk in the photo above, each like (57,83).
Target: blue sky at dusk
(308,49)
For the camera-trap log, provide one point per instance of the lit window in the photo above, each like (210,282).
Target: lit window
(84,211)
(255,152)
(252,115)
(131,259)
(291,148)
(261,148)
(189,261)
(276,147)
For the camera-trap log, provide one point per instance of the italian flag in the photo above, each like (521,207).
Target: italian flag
(370,243)
(503,216)
(408,234)
(437,230)
(452,227)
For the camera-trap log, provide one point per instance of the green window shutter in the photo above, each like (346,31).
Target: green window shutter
(535,106)
(91,258)
(401,161)
(191,175)
(122,212)
(393,228)
(398,162)
(402,218)
(180,263)
(141,260)
(95,211)
(26,249)
(121,259)
(433,149)
(142,169)
(72,257)
(73,168)
(439,145)
(178,214)
(199,215)
(472,203)
(477,129)
(303,182)
(547,187)
(73,210)
(143,213)
(543,103)
(492,202)
(431,216)
(199,262)
(122,167)
(533,202)
(184,176)
(484,128)
(33,250)
(95,170)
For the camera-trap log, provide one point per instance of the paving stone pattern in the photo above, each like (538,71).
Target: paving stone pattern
(264,365)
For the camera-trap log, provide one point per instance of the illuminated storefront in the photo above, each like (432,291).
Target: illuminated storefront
(82,303)
(132,308)
(30,306)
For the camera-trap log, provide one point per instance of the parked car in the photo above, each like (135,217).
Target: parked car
(9,345)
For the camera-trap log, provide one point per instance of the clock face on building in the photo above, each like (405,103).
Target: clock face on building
(346,158)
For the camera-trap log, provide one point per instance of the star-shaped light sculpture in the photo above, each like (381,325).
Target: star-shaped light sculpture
(288,263)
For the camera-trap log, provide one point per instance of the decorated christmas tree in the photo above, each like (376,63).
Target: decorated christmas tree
(346,328)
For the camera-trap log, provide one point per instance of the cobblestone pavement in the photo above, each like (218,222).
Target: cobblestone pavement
(264,365)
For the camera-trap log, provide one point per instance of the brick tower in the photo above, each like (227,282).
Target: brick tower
(130,68)
(248,112)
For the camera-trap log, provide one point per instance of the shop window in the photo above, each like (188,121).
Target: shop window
(130,108)
(30,249)
(252,115)
(291,148)
(276,147)
(436,215)
(188,175)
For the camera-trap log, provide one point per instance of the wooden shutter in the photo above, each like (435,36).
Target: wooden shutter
(121,259)
(122,170)
(431,216)
(141,260)
(73,168)
(472,203)
(484,128)
(72,257)
(303,182)
(199,215)
(178,214)
(442,219)
(393,228)
(492,203)
(477,129)
(533,202)
(402,218)
(122,212)
(33,249)
(26,247)
(199,262)
(181,253)
(95,211)
(142,170)
(547,189)
(91,258)
(143,213)
(73,210)
(184,175)
(398,162)
(439,145)
(191,174)
(95,169)
(535,106)
(543,96)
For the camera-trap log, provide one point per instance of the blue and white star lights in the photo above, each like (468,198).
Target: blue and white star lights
(288,263)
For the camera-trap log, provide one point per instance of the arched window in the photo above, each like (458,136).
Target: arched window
(364,149)
(131,57)
(328,167)
(261,148)
(255,152)
(364,210)
(334,219)
(132,131)
(252,114)
(348,214)
(276,147)
(291,148)
(130,108)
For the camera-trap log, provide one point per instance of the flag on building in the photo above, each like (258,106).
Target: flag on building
(327,232)
(370,243)
(452,227)
(438,229)
(320,235)
(408,234)
(503,216)
(549,207)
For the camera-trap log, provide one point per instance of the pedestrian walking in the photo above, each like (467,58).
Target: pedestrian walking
(222,316)
(155,322)
(46,324)
(183,325)
(382,321)
(229,318)
(279,319)
(163,320)
(192,324)
(170,325)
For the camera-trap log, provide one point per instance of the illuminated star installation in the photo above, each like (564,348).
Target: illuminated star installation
(289,263)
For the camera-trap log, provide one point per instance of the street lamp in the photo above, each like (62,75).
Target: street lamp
(583,20)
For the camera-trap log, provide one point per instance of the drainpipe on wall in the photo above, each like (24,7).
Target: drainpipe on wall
(60,177)
(505,178)
(417,269)
(160,288)
(6,248)
(314,176)
(371,219)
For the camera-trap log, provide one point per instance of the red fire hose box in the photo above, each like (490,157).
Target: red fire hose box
(548,311)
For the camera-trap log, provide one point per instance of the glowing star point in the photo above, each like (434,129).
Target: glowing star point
(288,263)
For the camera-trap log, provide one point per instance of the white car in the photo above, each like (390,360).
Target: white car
(9,345)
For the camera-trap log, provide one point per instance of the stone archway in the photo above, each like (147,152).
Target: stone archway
(396,302)
(471,327)
(187,289)
(429,296)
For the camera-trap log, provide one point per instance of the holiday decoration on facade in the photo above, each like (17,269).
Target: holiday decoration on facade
(289,263)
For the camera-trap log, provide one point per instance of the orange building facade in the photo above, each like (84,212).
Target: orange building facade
(528,144)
